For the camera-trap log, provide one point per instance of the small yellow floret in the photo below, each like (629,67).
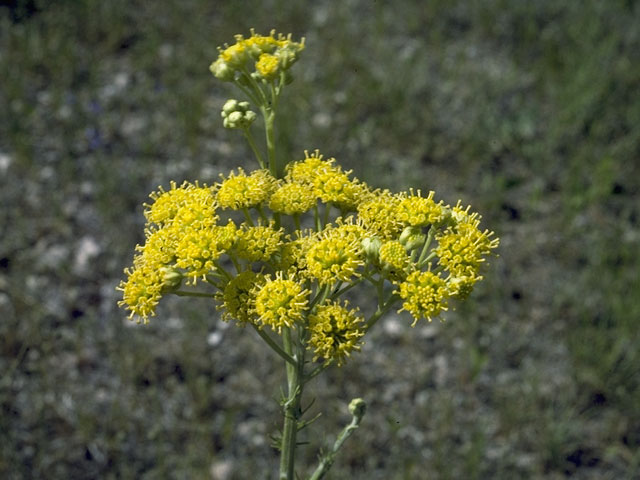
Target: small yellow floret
(335,186)
(305,171)
(267,66)
(143,288)
(461,250)
(394,258)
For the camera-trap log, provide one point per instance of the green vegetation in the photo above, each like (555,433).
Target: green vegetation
(527,110)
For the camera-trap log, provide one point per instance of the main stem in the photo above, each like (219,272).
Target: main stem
(291,406)
(269,121)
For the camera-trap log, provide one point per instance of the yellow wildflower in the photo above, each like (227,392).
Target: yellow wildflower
(143,288)
(305,171)
(292,199)
(160,245)
(238,299)
(240,191)
(336,256)
(461,249)
(293,253)
(417,211)
(188,203)
(235,55)
(333,185)
(378,214)
(232,60)
(335,332)
(394,259)
(268,66)
(200,248)
(281,302)
(258,243)
(425,295)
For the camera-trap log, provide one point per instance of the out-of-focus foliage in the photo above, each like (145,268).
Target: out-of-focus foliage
(527,110)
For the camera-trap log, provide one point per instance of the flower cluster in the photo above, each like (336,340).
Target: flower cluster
(277,251)
(262,57)
(429,252)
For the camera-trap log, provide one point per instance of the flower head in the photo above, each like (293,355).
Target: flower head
(425,295)
(199,249)
(418,211)
(305,171)
(237,297)
(240,191)
(394,259)
(160,245)
(184,205)
(143,288)
(293,253)
(292,199)
(336,256)
(461,249)
(258,243)
(378,214)
(268,66)
(237,114)
(281,302)
(233,60)
(334,186)
(335,332)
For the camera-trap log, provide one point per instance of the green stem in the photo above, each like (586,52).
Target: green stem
(339,292)
(221,269)
(327,207)
(252,144)
(380,312)
(269,115)
(274,346)
(182,293)
(255,99)
(262,214)
(427,242)
(247,216)
(291,407)
(316,216)
(320,297)
(357,408)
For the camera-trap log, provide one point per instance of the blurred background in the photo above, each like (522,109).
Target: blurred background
(528,111)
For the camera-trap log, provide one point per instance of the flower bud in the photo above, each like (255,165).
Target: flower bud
(230,105)
(461,287)
(171,279)
(357,408)
(412,238)
(221,70)
(237,114)
(287,56)
(371,248)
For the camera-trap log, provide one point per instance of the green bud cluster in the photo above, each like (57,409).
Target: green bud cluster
(237,114)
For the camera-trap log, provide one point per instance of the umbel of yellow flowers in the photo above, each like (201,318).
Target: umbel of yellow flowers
(278,251)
